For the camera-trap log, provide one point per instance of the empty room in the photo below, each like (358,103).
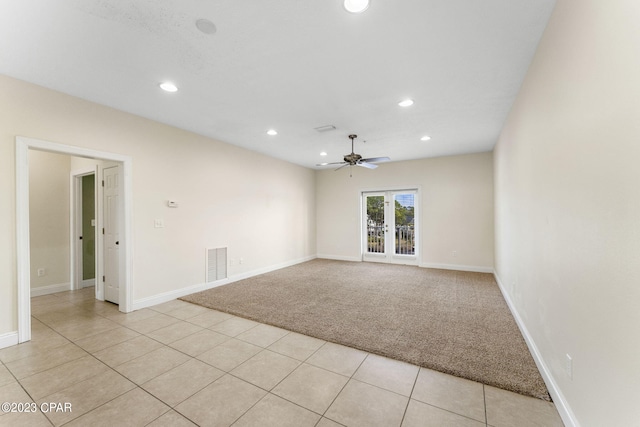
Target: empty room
(305,213)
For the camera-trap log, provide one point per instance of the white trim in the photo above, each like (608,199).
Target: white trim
(171,295)
(75,227)
(340,257)
(23,250)
(270,268)
(458,267)
(23,145)
(568,417)
(87,283)
(383,189)
(50,289)
(8,339)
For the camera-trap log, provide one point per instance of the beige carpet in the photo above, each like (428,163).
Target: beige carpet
(450,321)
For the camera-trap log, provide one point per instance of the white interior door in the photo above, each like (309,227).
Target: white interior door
(389,226)
(112,224)
(84,224)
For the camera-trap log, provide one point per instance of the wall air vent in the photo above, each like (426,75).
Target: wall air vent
(216,264)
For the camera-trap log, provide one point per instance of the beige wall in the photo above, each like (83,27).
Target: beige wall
(49,218)
(261,208)
(456,208)
(567,181)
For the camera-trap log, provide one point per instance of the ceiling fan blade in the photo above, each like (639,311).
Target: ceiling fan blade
(366,165)
(327,164)
(345,164)
(376,160)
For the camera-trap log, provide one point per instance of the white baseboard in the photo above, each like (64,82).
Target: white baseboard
(458,267)
(567,415)
(269,269)
(88,283)
(178,293)
(8,339)
(340,257)
(50,289)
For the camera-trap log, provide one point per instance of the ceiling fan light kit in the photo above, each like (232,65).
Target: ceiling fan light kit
(353,159)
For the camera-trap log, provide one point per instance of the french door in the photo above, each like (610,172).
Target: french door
(389,224)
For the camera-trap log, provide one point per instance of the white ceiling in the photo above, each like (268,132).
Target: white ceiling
(290,65)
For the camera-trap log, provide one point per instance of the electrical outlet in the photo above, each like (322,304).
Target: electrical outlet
(232,261)
(454,253)
(41,272)
(568,366)
(241,260)
(158,223)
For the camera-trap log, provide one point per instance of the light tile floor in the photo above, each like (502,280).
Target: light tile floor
(179,364)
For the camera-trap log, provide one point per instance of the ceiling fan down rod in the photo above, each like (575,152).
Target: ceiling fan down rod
(352,137)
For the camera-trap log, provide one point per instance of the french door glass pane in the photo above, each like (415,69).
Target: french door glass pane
(404,207)
(375,224)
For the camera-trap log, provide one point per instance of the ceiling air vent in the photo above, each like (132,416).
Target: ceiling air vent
(326,128)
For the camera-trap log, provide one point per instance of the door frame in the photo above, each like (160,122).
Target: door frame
(77,202)
(23,250)
(392,258)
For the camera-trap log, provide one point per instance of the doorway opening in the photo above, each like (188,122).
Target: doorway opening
(124,253)
(84,229)
(390,226)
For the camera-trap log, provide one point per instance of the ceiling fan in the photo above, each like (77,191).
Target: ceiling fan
(354,159)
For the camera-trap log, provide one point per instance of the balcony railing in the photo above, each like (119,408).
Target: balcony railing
(404,239)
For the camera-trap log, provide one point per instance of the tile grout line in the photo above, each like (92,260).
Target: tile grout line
(112,369)
(191,358)
(195,358)
(484,399)
(269,392)
(139,386)
(415,381)
(109,367)
(324,414)
(90,354)
(287,376)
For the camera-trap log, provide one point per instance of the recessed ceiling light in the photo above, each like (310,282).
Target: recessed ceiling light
(324,153)
(356,6)
(168,87)
(206,26)
(406,103)
(425,138)
(272,132)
